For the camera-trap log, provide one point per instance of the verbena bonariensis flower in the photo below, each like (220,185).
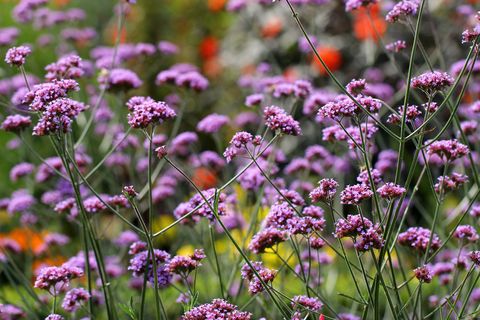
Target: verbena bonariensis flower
(391,190)
(255,285)
(417,238)
(183,265)
(354,194)
(239,144)
(119,79)
(67,67)
(266,238)
(218,309)
(291,196)
(212,123)
(203,208)
(56,278)
(450,183)
(16,123)
(277,119)
(424,274)
(466,233)
(367,235)
(74,299)
(364,177)
(402,10)
(254,99)
(43,94)
(16,55)
(352,226)
(326,190)
(58,116)
(167,48)
(355,87)
(54,316)
(371,238)
(145,111)
(11,312)
(475,257)
(396,46)
(309,303)
(431,82)
(141,263)
(448,150)
(8,36)
(279,215)
(306,225)
(20,201)
(412,114)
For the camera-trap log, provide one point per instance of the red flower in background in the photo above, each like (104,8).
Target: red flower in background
(208,47)
(272,28)
(330,55)
(216,5)
(369,24)
(205,178)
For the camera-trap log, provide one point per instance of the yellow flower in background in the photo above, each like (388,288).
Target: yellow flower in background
(161,222)
(185,250)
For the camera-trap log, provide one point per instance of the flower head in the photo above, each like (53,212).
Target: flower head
(16,55)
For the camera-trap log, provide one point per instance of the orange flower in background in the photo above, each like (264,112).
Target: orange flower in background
(366,28)
(27,239)
(113,32)
(291,74)
(47,262)
(212,67)
(61,3)
(208,47)
(272,28)
(216,5)
(368,23)
(331,56)
(205,178)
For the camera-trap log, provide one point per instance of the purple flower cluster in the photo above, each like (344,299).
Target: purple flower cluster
(448,150)
(424,274)
(16,123)
(466,233)
(277,119)
(402,10)
(119,79)
(239,144)
(266,238)
(58,116)
(145,111)
(212,123)
(218,309)
(74,298)
(450,183)
(309,303)
(183,75)
(418,239)
(67,67)
(183,265)
(57,277)
(390,190)
(354,194)
(431,82)
(16,55)
(200,209)
(142,263)
(255,285)
(396,46)
(367,235)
